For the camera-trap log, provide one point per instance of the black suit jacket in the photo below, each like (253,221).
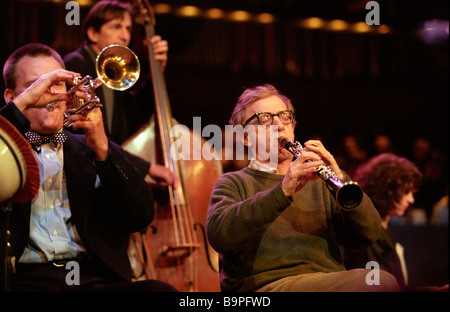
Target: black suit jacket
(103,216)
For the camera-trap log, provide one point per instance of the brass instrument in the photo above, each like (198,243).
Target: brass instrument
(347,194)
(117,68)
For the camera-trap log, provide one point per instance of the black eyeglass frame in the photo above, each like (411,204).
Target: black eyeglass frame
(256,115)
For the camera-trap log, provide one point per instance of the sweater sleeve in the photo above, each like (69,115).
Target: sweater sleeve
(359,227)
(233,219)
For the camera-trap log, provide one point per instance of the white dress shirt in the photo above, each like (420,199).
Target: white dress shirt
(52,237)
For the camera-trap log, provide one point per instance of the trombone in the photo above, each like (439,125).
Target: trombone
(117,68)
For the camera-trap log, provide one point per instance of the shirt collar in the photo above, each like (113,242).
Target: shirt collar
(254,164)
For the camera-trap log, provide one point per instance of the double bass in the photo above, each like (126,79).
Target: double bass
(174,248)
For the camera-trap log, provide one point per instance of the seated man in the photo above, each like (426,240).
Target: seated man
(276,226)
(90,197)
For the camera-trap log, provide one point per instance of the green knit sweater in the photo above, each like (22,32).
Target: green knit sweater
(262,236)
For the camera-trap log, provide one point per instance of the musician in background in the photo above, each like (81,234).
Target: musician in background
(391,182)
(111,22)
(277,227)
(90,196)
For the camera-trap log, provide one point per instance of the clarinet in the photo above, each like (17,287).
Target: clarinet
(347,194)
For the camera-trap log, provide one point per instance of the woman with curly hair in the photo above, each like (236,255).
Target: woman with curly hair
(390,181)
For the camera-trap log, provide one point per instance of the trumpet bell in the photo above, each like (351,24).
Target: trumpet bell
(118,67)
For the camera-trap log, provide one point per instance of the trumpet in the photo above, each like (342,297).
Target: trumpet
(117,68)
(347,194)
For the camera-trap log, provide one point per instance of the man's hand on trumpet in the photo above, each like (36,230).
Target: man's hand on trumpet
(43,91)
(92,125)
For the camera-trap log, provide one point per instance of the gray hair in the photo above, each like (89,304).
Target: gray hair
(250,96)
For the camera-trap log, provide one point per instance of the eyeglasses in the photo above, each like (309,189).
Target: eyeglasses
(266,118)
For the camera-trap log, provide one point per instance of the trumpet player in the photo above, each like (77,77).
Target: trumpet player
(90,197)
(111,22)
(277,227)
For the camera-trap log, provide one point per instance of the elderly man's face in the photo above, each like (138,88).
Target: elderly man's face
(29,69)
(271,104)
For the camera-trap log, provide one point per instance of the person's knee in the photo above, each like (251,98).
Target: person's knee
(388,282)
(373,281)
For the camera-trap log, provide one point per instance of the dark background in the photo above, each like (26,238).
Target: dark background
(340,82)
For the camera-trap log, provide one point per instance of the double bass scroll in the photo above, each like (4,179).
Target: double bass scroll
(176,249)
